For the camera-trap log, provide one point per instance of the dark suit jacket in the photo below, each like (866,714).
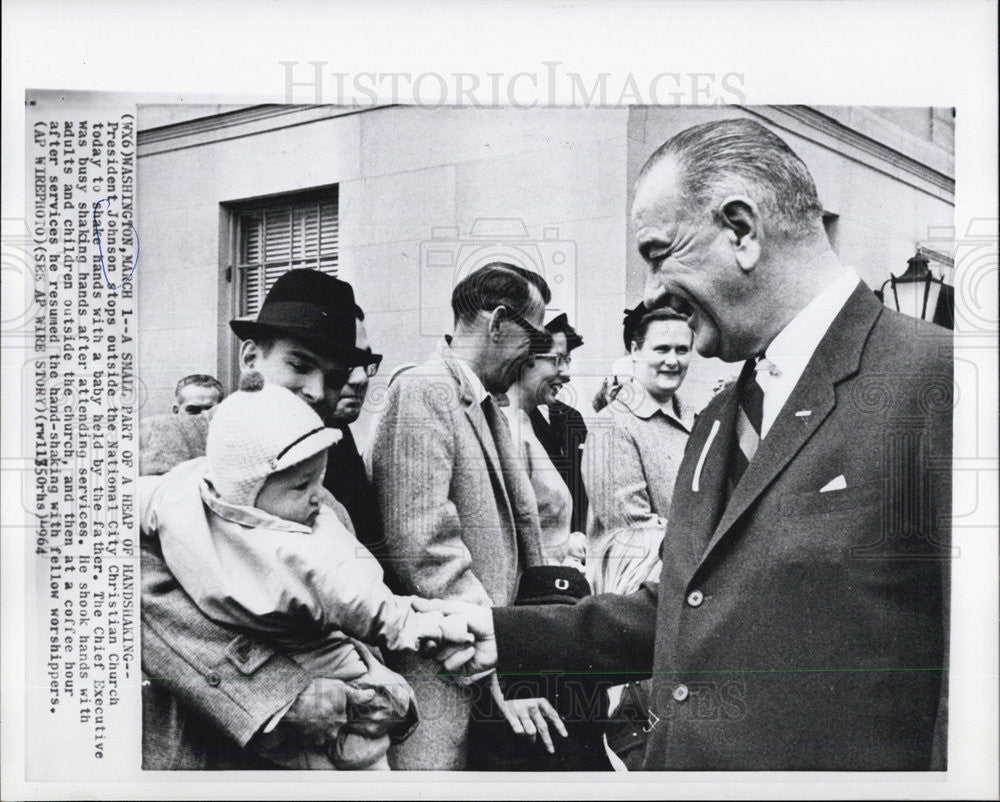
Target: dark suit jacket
(562,436)
(794,629)
(347,479)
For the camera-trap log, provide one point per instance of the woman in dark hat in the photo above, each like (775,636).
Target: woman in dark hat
(532,400)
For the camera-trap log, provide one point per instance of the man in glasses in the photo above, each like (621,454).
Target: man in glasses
(346,477)
(210,691)
(461,520)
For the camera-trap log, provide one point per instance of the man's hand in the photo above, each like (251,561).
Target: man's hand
(461,657)
(527,716)
(322,707)
(390,703)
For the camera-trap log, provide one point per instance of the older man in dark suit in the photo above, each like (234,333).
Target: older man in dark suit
(800,620)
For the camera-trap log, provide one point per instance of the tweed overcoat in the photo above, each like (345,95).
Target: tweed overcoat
(461,522)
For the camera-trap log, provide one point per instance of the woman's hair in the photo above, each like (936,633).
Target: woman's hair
(639,336)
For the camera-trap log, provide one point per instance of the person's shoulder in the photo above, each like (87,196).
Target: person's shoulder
(616,415)
(571,414)
(907,348)
(158,426)
(431,384)
(168,439)
(611,412)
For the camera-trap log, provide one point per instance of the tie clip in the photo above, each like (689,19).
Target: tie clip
(766,364)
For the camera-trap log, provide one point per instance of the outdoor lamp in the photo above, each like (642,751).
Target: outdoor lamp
(921,294)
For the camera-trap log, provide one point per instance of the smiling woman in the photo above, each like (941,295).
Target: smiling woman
(632,455)
(630,462)
(661,349)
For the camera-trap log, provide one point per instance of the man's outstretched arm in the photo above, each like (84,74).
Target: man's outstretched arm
(606,639)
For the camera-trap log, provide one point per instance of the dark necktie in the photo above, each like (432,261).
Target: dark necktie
(748,422)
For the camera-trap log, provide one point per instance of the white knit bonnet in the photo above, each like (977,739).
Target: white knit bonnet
(259,430)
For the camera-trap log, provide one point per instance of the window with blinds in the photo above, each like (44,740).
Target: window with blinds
(273,240)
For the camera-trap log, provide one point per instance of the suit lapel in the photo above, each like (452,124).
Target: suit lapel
(699,494)
(837,357)
(477,418)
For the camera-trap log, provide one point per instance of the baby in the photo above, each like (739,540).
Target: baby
(245,532)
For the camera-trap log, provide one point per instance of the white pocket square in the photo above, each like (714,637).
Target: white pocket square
(834,484)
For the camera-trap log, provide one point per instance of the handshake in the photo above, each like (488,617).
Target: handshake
(463,641)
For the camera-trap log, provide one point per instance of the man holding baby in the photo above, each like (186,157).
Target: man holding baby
(213,692)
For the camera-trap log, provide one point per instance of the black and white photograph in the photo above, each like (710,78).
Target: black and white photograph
(549,425)
(526,353)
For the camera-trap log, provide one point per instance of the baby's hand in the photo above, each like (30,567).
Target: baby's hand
(455,629)
(428,631)
(577,551)
(436,630)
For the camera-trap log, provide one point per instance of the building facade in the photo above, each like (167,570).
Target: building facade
(403,201)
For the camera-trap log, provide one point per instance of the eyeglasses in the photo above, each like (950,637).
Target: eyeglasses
(373,365)
(338,377)
(560,360)
(539,340)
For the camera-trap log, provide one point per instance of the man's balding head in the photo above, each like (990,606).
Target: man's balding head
(728,220)
(741,156)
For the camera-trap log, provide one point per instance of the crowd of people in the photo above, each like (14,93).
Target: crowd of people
(494,587)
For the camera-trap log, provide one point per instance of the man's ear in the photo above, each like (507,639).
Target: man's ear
(249,354)
(740,216)
(493,324)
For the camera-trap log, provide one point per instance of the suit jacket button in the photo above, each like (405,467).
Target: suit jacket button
(695,598)
(213,679)
(680,693)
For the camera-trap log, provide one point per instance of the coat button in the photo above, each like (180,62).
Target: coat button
(695,597)
(243,652)
(680,693)
(213,679)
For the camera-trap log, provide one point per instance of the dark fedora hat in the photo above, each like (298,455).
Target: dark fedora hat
(312,307)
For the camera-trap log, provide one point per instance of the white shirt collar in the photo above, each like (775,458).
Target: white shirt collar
(634,397)
(790,352)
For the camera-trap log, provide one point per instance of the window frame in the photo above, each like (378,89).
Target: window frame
(231,289)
